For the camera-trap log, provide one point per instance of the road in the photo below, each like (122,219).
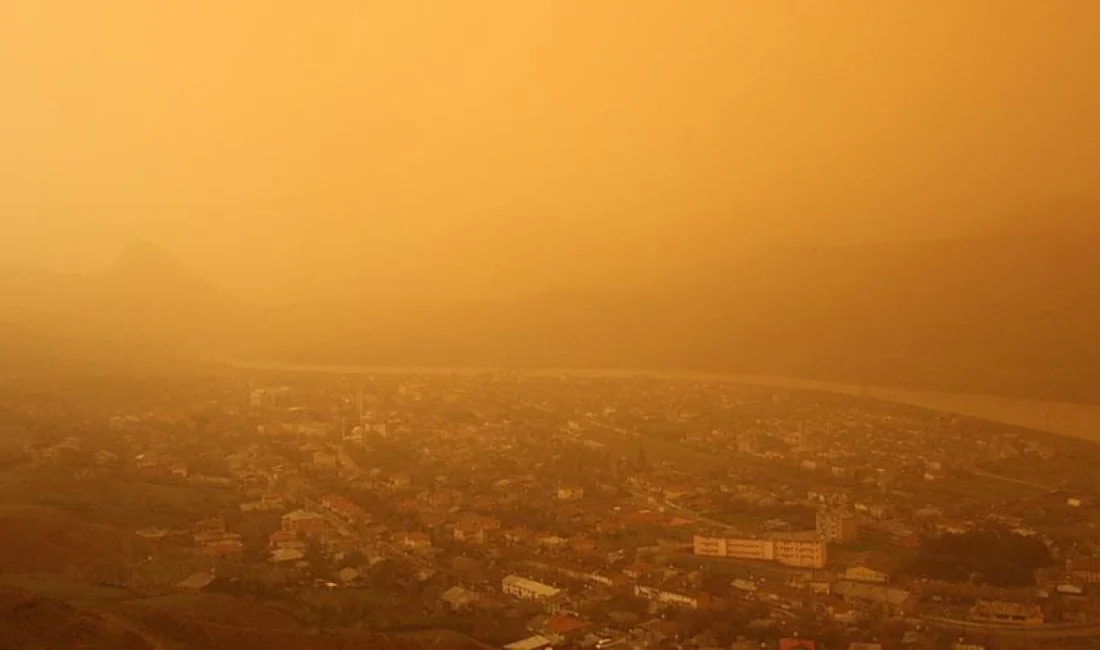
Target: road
(1009,479)
(1051,631)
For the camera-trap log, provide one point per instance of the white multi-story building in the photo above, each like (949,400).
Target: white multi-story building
(743,549)
(802,552)
(790,550)
(521,587)
(670,598)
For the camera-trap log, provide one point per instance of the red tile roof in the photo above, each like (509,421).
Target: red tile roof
(564,624)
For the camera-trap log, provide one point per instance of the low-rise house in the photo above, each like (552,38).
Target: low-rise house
(272,500)
(469,533)
(868,568)
(537,642)
(638,570)
(837,526)
(570,493)
(285,539)
(1085,569)
(324,459)
(953,526)
(670,597)
(415,540)
(860,593)
(345,509)
(517,536)
(285,555)
(209,525)
(103,458)
(336,543)
(795,550)
(564,628)
(154,533)
(196,581)
(303,521)
(223,548)
(553,542)
(459,598)
(842,612)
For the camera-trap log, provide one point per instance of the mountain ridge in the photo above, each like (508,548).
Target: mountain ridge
(1003,314)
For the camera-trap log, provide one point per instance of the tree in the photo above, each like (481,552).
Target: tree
(1001,558)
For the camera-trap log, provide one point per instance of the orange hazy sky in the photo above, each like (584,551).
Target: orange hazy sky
(291,149)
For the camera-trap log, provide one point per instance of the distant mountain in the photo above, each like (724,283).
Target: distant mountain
(1011,315)
(1073,214)
(147,302)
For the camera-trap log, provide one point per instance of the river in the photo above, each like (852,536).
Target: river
(1065,418)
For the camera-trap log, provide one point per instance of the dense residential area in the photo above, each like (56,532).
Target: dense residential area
(555,511)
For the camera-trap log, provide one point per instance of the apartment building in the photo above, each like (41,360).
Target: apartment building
(521,587)
(837,526)
(802,551)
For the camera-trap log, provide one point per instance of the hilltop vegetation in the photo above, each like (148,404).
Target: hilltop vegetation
(33,621)
(988,556)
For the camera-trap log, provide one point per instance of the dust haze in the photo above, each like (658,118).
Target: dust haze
(549,324)
(490,149)
(901,194)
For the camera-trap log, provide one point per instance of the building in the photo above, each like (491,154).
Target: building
(570,493)
(869,567)
(801,551)
(344,509)
(302,521)
(860,572)
(223,548)
(459,599)
(742,549)
(1086,569)
(997,611)
(416,541)
(858,593)
(521,587)
(469,532)
(670,598)
(837,526)
(325,459)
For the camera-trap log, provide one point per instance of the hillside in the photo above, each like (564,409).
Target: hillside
(146,304)
(34,621)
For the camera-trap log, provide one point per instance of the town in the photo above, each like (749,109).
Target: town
(535,511)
